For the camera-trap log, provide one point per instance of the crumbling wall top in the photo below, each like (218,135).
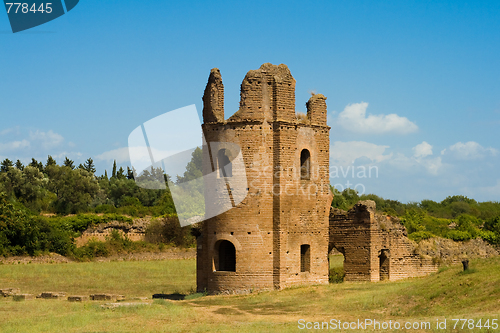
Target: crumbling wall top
(267,93)
(213,98)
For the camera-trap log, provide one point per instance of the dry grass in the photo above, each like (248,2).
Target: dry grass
(447,294)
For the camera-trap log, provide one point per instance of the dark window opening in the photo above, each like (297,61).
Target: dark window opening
(305,164)
(224,164)
(384,265)
(305,258)
(225,256)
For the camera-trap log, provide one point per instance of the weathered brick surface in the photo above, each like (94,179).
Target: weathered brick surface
(375,247)
(282,210)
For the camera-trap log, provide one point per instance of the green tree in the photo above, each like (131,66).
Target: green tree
(39,165)
(6,164)
(50,161)
(69,163)
(113,173)
(19,165)
(121,173)
(27,186)
(75,189)
(130,173)
(194,168)
(89,166)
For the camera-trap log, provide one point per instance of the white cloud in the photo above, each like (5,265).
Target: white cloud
(71,155)
(471,150)
(6,131)
(422,158)
(344,153)
(433,165)
(121,155)
(422,150)
(46,139)
(14,145)
(354,119)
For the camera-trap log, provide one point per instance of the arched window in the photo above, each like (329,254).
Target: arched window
(225,256)
(305,258)
(305,164)
(224,164)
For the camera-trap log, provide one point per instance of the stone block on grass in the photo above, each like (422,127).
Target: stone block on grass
(103,297)
(52,295)
(78,298)
(7,292)
(23,297)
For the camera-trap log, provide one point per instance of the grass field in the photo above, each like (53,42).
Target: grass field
(449,294)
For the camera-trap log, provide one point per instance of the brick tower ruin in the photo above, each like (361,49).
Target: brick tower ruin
(278,235)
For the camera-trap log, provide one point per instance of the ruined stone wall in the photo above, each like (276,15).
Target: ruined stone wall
(135,231)
(282,213)
(375,247)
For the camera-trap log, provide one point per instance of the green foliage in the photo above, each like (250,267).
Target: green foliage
(27,186)
(113,173)
(413,220)
(39,165)
(491,230)
(50,161)
(69,163)
(21,233)
(194,168)
(345,200)
(89,166)
(420,235)
(490,236)
(75,189)
(5,165)
(19,165)
(458,235)
(167,230)
(457,217)
(336,275)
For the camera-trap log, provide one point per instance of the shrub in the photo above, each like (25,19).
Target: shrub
(420,235)
(168,230)
(489,236)
(336,275)
(458,235)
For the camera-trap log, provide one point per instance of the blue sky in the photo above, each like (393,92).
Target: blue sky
(413,87)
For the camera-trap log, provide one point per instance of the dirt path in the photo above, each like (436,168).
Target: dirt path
(53,258)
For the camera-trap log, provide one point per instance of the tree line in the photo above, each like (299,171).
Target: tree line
(27,191)
(69,189)
(66,190)
(456,217)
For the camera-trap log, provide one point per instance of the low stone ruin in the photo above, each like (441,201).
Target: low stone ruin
(375,247)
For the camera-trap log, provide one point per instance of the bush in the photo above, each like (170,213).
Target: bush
(489,236)
(168,230)
(458,235)
(22,233)
(420,235)
(336,275)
